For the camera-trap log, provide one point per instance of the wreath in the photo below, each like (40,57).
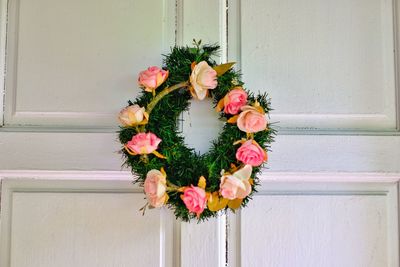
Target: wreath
(193,185)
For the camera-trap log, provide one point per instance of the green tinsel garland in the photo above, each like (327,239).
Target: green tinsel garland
(183,165)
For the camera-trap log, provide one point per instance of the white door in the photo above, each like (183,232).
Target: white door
(329,197)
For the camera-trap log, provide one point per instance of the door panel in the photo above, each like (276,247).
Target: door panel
(325,64)
(81,223)
(74,62)
(329,68)
(342,225)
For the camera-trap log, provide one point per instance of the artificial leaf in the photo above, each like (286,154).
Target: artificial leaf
(216,203)
(235,204)
(202,182)
(193,65)
(233,119)
(221,69)
(181,189)
(158,155)
(163,171)
(130,152)
(220,105)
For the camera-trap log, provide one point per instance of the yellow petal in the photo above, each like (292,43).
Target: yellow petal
(181,189)
(235,204)
(146,115)
(220,105)
(193,65)
(202,182)
(233,167)
(129,151)
(221,69)
(241,141)
(166,199)
(233,119)
(158,155)
(163,172)
(215,203)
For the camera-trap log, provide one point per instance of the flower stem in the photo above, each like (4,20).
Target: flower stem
(163,93)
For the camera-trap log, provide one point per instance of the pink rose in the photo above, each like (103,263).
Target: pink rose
(144,143)
(251,153)
(152,78)
(234,100)
(236,185)
(251,120)
(203,77)
(195,199)
(155,187)
(133,115)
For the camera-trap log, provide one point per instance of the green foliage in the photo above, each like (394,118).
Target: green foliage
(183,164)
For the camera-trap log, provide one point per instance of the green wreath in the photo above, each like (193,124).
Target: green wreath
(175,175)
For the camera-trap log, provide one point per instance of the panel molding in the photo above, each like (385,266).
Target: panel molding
(3,40)
(388,121)
(311,184)
(266,177)
(273,183)
(12,116)
(396,39)
(170,243)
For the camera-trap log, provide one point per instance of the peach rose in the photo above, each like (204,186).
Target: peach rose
(133,115)
(234,100)
(251,120)
(195,199)
(251,153)
(144,143)
(203,77)
(236,185)
(152,78)
(155,187)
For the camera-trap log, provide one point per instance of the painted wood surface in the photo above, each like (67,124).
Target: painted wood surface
(329,68)
(77,223)
(81,56)
(325,64)
(336,231)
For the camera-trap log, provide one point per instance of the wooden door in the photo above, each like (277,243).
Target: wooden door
(329,197)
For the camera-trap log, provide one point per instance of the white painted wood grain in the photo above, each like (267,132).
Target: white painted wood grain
(3,37)
(291,220)
(200,125)
(195,26)
(202,244)
(294,153)
(199,244)
(311,224)
(76,62)
(77,223)
(325,64)
(345,231)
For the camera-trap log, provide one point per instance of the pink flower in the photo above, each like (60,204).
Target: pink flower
(234,100)
(155,187)
(152,78)
(236,185)
(143,143)
(133,115)
(251,153)
(203,77)
(251,120)
(195,199)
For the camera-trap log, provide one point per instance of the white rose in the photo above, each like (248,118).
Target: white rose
(133,115)
(203,77)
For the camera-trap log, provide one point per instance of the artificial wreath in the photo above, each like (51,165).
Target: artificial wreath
(175,175)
